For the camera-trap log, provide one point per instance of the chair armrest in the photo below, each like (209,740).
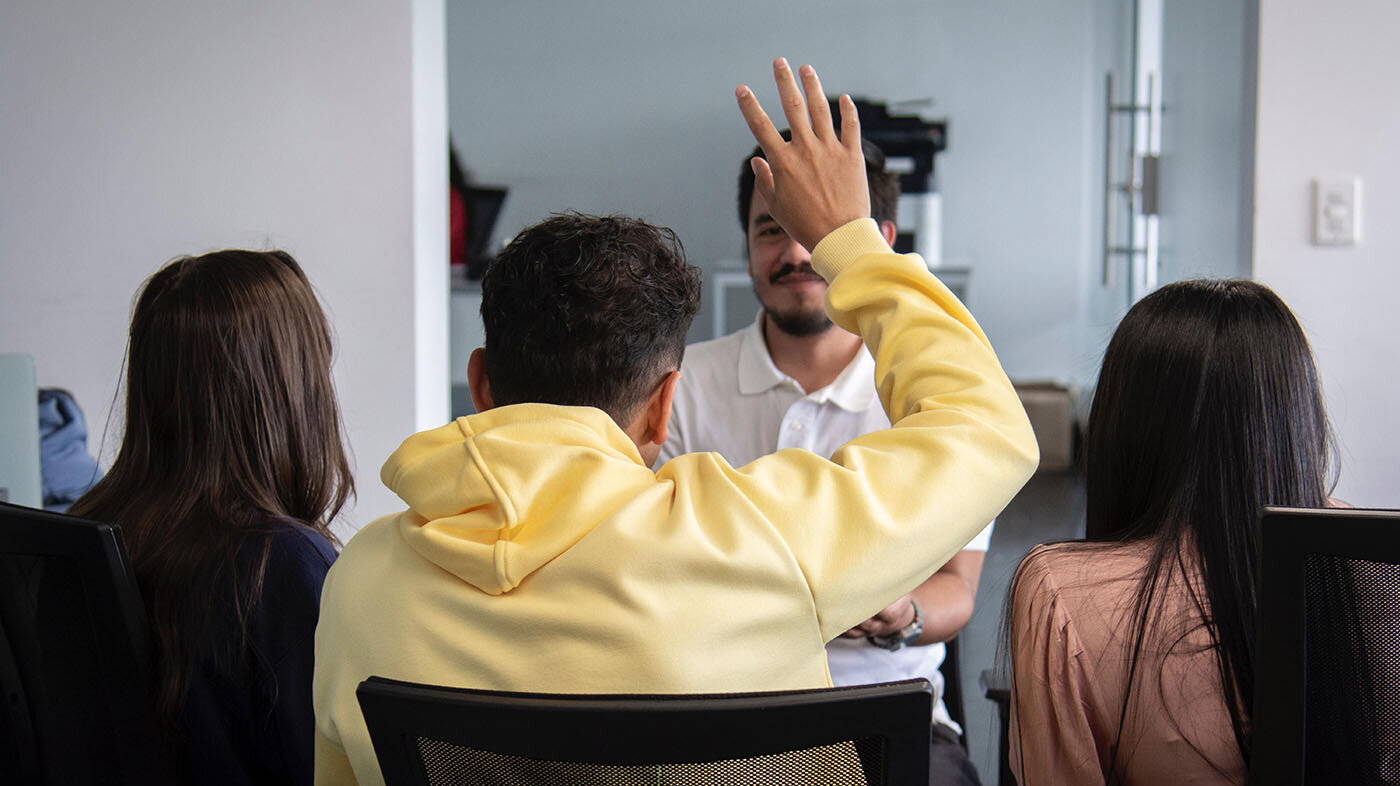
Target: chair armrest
(996,685)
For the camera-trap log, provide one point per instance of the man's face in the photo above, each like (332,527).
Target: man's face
(789,289)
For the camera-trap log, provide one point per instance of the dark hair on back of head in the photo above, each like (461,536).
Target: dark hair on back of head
(883,186)
(589,311)
(1208,407)
(231,423)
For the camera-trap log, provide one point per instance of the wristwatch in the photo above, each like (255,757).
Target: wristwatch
(906,635)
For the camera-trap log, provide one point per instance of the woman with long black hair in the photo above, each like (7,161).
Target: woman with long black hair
(1133,651)
(230,470)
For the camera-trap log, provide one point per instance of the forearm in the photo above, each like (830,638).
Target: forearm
(959,435)
(945,604)
(930,354)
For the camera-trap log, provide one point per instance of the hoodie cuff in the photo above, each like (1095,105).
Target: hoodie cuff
(844,245)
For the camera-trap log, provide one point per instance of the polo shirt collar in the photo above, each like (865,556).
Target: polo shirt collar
(852,390)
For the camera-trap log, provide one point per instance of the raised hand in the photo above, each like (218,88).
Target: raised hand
(815,183)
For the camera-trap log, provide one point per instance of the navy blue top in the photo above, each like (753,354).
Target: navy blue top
(248,716)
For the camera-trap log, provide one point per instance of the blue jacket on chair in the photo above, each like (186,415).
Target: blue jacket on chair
(67,469)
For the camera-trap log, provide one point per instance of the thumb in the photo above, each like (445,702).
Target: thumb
(762,179)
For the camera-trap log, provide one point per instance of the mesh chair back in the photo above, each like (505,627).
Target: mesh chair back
(876,734)
(74,656)
(1327,706)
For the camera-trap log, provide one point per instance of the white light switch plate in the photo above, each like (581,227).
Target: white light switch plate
(1336,211)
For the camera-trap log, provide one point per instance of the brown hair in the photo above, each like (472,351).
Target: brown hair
(231,423)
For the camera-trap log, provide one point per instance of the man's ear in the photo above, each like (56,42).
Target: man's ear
(887,228)
(658,408)
(477,382)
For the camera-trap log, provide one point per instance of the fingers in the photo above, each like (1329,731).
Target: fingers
(806,110)
(817,105)
(850,124)
(760,126)
(794,105)
(763,177)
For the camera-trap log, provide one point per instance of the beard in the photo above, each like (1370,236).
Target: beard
(795,321)
(800,322)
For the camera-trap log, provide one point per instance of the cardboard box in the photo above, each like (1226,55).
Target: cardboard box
(1050,407)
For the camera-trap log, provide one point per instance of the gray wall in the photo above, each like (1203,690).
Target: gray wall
(132,133)
(627,106)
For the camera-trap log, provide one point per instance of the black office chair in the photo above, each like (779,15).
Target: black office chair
(431,735)
(1327,684)
(74,656)
(951,669)
(996,686)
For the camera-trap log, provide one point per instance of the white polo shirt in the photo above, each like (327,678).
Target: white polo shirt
(734,401)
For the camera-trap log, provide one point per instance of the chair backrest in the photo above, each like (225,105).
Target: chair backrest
(1327,682)
(951,669)
(74,656)
(424,734)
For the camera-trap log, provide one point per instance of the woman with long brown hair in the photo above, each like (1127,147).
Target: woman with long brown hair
(230,470)
(1133,652)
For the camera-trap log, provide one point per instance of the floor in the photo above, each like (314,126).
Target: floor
(1050,507)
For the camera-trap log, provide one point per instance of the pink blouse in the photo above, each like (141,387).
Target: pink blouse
(1071,642)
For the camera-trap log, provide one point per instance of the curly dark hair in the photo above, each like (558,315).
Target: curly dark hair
(884,186)
(587,311)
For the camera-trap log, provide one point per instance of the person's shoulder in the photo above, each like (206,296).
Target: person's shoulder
(297,549)
(1085,558)
(709,373)
(370,549)
(720,351)
(1089,578)
(298,558)
(1046,590)
(1039,568)
(1050,558)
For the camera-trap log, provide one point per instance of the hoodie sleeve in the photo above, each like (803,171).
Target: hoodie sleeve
(892,506)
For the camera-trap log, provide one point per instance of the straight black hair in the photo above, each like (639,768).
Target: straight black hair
(1208,408)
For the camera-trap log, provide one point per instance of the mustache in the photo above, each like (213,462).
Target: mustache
(789,268)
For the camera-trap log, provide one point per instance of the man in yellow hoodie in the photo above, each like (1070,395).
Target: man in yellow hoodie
(540,553)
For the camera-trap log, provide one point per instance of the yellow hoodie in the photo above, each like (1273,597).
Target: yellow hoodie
(538,553)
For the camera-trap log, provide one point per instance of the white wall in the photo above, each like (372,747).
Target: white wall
(135,132)
(1327,103)
(627,106)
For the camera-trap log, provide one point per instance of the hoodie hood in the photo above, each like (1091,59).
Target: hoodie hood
(494,496)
